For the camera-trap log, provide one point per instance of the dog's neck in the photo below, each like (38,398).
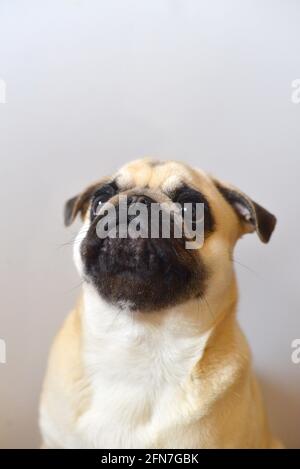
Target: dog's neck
(145,366)
(170,341)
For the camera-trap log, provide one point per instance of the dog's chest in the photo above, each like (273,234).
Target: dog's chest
(138,387)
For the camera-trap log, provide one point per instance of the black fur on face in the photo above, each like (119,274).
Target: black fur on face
(145,274)
(186,194)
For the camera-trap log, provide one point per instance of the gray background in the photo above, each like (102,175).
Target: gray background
(91,85)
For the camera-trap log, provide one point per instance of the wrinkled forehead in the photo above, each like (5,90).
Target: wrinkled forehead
(166,176)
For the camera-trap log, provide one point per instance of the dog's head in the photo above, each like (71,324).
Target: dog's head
(148,273)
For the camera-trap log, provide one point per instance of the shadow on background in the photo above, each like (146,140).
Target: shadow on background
(283,406)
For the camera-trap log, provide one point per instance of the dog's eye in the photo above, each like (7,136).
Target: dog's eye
(193,212)
(190,209)
(97,204)
(188,198)
(100,197)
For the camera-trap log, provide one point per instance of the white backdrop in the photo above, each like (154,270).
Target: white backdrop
(91,85)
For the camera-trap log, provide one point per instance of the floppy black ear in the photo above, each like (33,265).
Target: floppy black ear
(69,211)
(252,215)
(78,204)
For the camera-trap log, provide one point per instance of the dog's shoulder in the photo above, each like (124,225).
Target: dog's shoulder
(226,363)
(65,389)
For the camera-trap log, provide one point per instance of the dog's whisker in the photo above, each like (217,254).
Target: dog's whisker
(245,266)
(71,242)
(109,328)
(208,307)
(75,287)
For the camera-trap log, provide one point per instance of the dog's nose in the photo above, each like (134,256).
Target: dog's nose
(139,199)
(133,201)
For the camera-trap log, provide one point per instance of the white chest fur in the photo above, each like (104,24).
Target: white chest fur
(138,367)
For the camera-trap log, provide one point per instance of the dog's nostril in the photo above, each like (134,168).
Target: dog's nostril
(131,200)
(143,200)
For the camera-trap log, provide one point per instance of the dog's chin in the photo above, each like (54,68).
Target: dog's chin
(143,274)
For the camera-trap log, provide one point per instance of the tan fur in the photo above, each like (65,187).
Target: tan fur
(66,375)
(216,403)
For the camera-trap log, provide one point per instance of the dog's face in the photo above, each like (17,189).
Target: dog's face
(149,274)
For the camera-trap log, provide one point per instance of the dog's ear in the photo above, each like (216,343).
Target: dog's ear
(78,204)
(252,216)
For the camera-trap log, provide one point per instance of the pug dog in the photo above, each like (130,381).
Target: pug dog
(152,356)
